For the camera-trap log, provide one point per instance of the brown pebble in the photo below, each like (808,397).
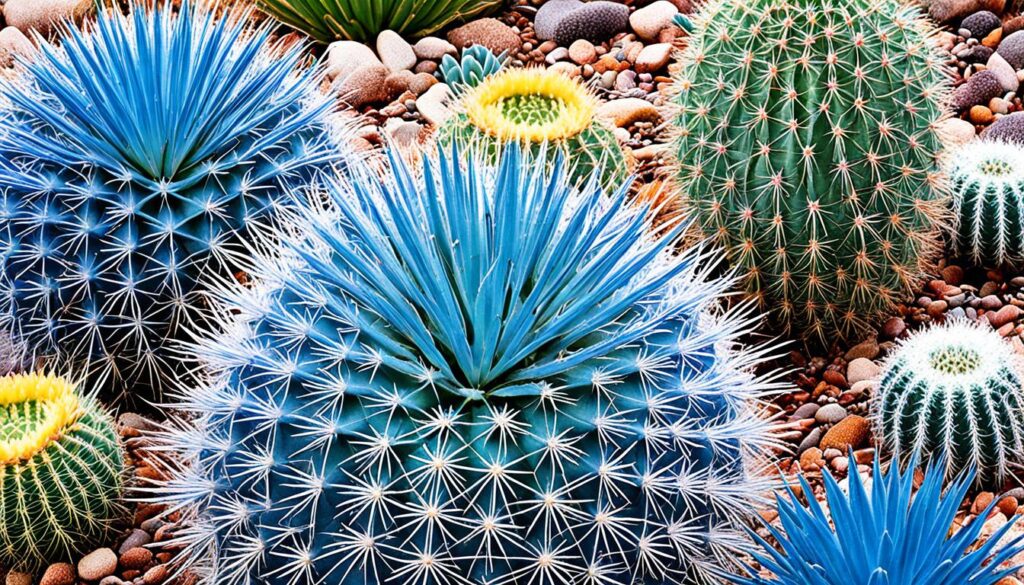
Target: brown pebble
(1003,316)
(16,578)
(155,575)
(136,558)
(981,115)
(59,574)
(937,308)
(953,275)
(1008,506)
(992,39)
(811,460)
(851,432)
(981,502)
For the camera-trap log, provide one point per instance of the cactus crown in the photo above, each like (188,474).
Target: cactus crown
(987,184)
(954,393)
(886,535)
(807,146)
(533,105)
(472,375)
(61,471)
(132,155)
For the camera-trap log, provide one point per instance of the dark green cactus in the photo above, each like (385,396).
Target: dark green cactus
(61,471)
(953,394)
(808,148)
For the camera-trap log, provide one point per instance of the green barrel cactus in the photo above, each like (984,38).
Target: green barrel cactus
(536,108)
(362,20)
(61,471)
(807,147)
(953,393)
(987,185)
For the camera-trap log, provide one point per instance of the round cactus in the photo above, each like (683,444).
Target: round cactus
(130,156)
(362,20)
(535,107)
(61,471)
(987,183)
(472,375)
(808,148)
(954,393)
(477,63)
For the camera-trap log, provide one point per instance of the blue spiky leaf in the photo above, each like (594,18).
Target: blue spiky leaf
(888,535)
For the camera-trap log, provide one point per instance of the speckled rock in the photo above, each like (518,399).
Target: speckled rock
(981,23)
(395,52)
(1003,71)
(366,85)
(344,57)
(979,89)
(433,48)
(489,32)
(432,104)
(956,131)
(14,42)
(945,10)
(43,15)
(16,578)
(650,20)
(595,21)
(1012,49)
(97,564)
(653,58)
(627,111)
(59,574)
(848,434)
(1009,128)
(550,15)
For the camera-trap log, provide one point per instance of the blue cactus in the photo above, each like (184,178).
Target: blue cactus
(472,374)
(131,155)
(883,536)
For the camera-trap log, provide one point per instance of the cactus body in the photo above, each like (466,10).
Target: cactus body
(955,393)
(887,534)
(476,64)
(61,471)
(113,209)
(473,375)
(537,107)
(807,148)
(987,184)
(361,20)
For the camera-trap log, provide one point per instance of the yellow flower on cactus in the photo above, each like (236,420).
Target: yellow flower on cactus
(537,107)
(61,471)
(35,409)
(534,105)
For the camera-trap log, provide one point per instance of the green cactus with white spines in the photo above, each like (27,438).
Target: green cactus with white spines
(954,393)
(61,471)
(987,187)
(807,146)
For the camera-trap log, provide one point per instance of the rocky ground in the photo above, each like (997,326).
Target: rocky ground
(393,91)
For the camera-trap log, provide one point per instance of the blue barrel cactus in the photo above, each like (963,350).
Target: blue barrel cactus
(473,373)
(131,155)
